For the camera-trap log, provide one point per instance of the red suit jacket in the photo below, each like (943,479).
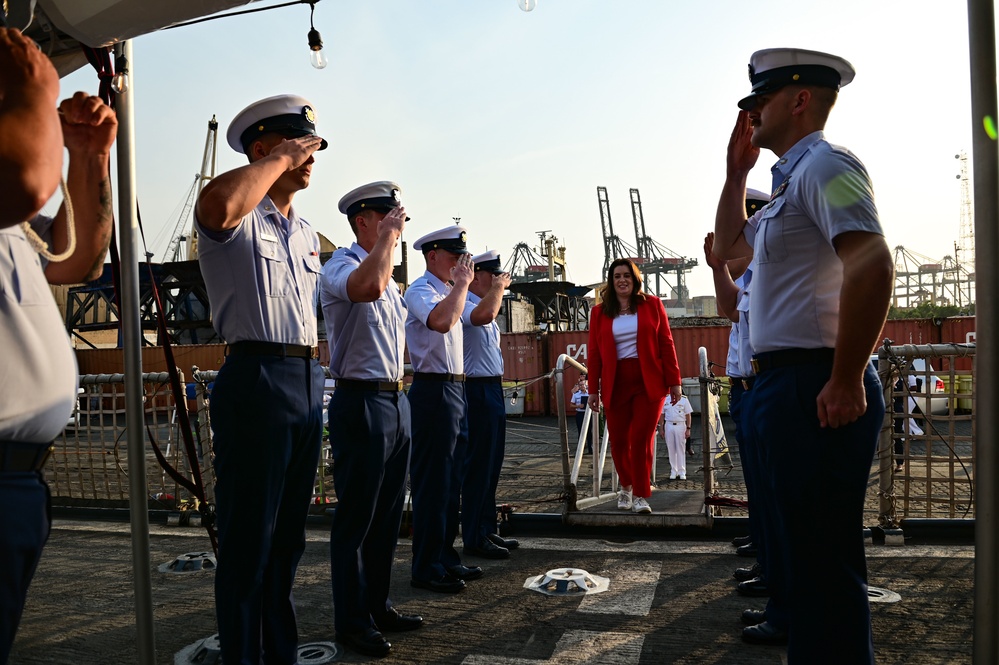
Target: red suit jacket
(656,352)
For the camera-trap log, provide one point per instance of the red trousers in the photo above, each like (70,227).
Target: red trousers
(631,418)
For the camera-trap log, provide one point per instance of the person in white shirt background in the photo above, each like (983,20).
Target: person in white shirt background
(675,428)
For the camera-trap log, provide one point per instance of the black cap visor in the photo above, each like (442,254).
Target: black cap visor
(775,79)
(290,125)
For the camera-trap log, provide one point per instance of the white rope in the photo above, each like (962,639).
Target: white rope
(40,246)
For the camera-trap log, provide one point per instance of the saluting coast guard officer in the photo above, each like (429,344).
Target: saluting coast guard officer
(434,334)
(260,261)
(39,367)
(820,296)
(484,426)
(369,420)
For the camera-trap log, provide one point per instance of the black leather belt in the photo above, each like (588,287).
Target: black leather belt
(787,357)
(484,379)
(370,386)
(17,457)
(274,349)
(746,381)
(434,376)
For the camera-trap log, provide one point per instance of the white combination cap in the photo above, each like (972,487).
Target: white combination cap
(288,115)
(774,68)
(451,239)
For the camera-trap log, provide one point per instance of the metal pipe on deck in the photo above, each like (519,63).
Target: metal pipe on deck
(984,119)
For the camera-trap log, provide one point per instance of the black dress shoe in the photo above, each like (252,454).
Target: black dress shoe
(754,588)
(739,541)
(764,633)
(487,549)
(743,574)
(467,573)
(749,550)
(500,541)
(753,617)
(393,622)
(446,584)
(368,642)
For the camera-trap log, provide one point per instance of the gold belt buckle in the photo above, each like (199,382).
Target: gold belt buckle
(756,365)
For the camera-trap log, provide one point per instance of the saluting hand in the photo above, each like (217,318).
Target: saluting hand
(393,223)
(463,271)
(502,281)
(298,150)
(89,126)
(742,154)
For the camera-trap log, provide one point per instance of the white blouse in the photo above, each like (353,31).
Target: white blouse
(625,328)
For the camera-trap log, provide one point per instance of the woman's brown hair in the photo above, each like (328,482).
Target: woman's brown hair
(608,298)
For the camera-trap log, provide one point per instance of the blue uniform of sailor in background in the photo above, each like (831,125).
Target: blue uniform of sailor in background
(437,397)
(261,266)
(483,433)
(369,418)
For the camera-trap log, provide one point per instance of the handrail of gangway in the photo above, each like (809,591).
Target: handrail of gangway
(707,451)
(570,469)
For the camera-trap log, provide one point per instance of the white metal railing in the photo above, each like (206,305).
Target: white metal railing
(572,463)
(935,478)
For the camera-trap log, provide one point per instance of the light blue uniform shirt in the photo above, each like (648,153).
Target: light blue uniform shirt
(366,339)
(744,348)
(821,191)
(483,354)
(430,351)
(40,376)
(262,277)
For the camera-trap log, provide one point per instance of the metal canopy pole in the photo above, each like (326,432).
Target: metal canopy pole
(138,490)
(984,120)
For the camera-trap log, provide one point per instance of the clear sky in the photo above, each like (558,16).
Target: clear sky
(511,120)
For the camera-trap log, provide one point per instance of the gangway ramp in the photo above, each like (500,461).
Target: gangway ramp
(671,507)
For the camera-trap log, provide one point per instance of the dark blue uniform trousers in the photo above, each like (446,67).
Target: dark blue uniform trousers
(818,477)
(749,455)
(370,440)
(478,459)
(437,407)
(25,528)
(267,421)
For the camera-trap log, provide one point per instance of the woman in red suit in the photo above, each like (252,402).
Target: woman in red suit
(632,369)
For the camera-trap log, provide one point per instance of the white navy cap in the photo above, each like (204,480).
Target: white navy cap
(382,196)
(755,199)
(288,115)
(774,68)
(451,238)
(488,261)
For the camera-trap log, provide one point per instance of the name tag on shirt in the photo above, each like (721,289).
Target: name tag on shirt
(268,237)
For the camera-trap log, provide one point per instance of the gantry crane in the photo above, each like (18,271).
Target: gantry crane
(529,265)
(658,263)
(920,279)
(614,247)
(664,270)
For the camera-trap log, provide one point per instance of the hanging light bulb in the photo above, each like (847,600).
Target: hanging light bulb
(316,54)
(527,5)
(119,82)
